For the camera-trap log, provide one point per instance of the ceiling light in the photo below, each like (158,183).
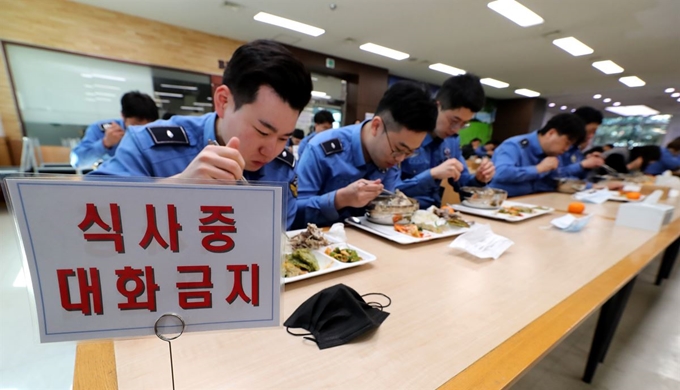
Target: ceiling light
(439,67)
(573,46)
(607,100)
(616,104)
(669,90)
(516,12)
(563,108)
(638,110)
(384,51)
(632,81)
(157,100)
(607,67)
(169,94)
(202,104)
(597,96)
(527,92)
(102,76)
(678,99)
(183,87)
(289,24)
(573,110)
(192,108)
(677,94)
(319,94)
(494,83)
(551,105)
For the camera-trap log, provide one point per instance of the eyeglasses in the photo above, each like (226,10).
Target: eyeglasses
(457,123)
(398,153)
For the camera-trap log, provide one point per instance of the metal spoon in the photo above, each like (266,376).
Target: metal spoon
(213,142)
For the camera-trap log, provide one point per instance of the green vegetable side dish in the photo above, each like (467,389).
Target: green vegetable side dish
(345,255)
(300,262)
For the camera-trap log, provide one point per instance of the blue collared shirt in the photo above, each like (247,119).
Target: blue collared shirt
(516,159)
(416,179)
(91,148)
(139,155)
(303,144)
(481,151)
(668,162)
(322,172)
(570,164)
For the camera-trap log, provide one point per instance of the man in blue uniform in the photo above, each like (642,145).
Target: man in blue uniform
(669,161)
(526,164)
(344,169)
(439,156)
(263,92)
(101,138)
(573,164)
(323,120)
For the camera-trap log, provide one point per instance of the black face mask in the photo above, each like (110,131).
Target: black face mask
(336,315)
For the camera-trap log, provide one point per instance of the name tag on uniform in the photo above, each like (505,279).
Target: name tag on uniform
(165,135)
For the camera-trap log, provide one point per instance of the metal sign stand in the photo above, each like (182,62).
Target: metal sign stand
(169,339)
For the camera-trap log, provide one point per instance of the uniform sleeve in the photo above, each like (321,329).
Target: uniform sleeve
(505,158)
(128,160)
(91,148)
(291,204)
(302,146)
(481,152)
(467,179)
(391,179)
(421,184)
(571,170)
(314,206)
(669,160)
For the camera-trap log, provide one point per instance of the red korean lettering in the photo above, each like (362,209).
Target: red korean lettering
(92,217)
(152,232)
(86,288)
(195,299)
(237,289)
(217,232)
(129,274)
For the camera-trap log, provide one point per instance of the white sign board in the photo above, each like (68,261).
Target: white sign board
(107,259)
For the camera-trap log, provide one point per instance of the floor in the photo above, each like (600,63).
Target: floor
(645,353)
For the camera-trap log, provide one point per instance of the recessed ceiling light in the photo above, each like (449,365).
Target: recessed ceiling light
(516,12)
(677,94)
(527,92)
(563,108)
(597,96)
(439,67)
(573,110)
(494,83)
(289,24)
(607,67)
(669,90)
(632,81)
(573,46)
(551,105)
(637,110)
(607,100)
(384,51)
(678,99)
(616,104)
(319,93)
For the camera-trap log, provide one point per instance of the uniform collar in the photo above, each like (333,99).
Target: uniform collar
(356,146)
(209,127)
(534,145)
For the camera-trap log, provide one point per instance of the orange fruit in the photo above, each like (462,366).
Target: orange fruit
(633,195)
(576,207)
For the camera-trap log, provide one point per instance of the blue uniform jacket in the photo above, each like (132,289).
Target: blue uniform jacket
(303,144)
(91,148)
(570,164)
(667,162)
(142,153)
(416,180)
(332,160)
(516,159)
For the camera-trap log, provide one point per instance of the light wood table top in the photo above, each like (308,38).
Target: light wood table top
(456,321)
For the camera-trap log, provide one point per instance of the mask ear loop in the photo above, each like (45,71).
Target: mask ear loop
(378,305)
(301,335)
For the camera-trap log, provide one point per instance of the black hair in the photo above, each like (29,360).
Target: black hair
(410,105)
(461,91)
(298,133)
(675,145)
(323,116)
(589,115)
(135,104)
(566,124)
(475,139)
(493,142)
(610,146)
(264,62)
(649,153)
(596,149)
(168,115)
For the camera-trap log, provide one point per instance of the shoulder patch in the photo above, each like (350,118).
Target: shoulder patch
(293,186)
(331,147)
(524,143)
(168,135)
(287,157)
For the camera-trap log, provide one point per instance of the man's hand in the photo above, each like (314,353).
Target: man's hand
(216,162)
(485,171)
(450,168)
(592,161)
(548,164)
(358,194)
(112,135)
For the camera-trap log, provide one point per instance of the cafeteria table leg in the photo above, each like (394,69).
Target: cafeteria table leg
(610,315)
(667,261)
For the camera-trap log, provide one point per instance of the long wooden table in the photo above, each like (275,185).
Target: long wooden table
(456,322)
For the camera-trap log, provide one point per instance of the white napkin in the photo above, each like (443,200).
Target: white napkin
(569,223)
(337,233)
(482,242)
(590,196)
